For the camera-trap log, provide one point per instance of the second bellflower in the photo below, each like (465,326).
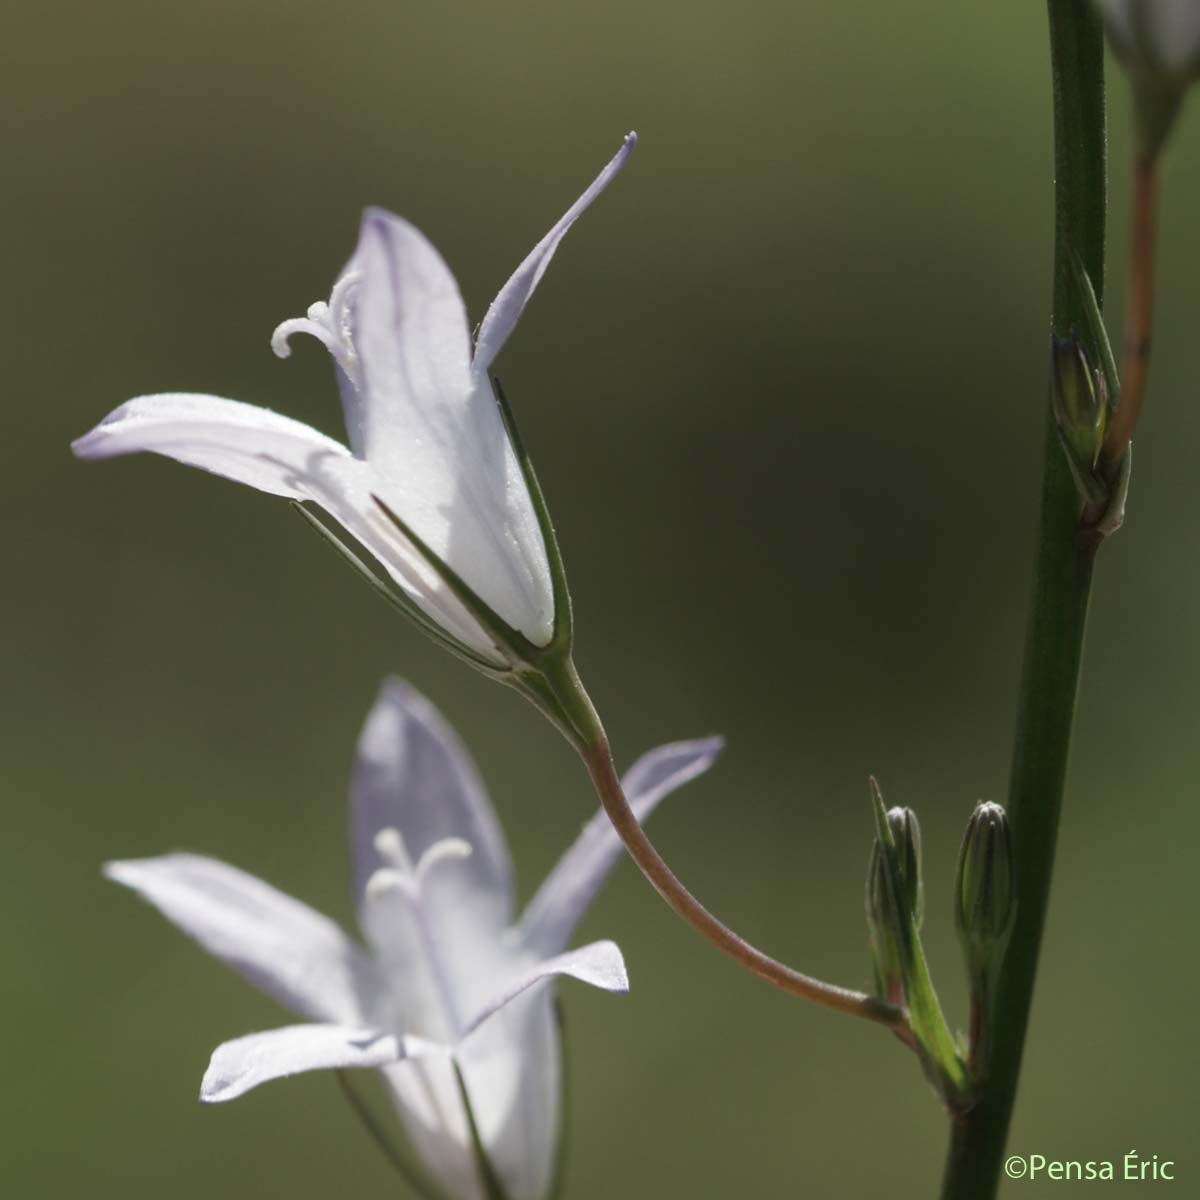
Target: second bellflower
(431,479)
(451,985)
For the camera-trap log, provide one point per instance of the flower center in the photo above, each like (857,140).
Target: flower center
(401,879)
(331,324)
(401,873)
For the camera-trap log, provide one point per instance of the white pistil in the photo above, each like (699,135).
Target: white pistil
(389,845)
(331,324)
(449,849)
(400,874)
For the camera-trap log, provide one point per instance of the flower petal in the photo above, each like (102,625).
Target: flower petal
(434,435)
(512,1070)
(511,1065)
(244,1063)
(275,454)
(513,1079)
(239,441)
(288,950)
(510,301)
(409,327)
(413,774)
(599,963)
(570,888)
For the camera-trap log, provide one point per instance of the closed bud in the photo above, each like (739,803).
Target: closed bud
(984,891)
(881,916)
(1080,399)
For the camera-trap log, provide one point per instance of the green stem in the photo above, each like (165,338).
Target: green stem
(1062,581)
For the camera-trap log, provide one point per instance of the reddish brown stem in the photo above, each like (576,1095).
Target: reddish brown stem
(1139,311)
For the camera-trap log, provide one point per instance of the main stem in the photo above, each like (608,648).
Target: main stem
(1061,584)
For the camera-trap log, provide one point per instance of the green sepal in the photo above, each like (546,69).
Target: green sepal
(397,599)
(1091,490)
(1113,516)
(492,1187)
(513,643)
(563,613)
(401,1162)
(1100,346)
(558,1169)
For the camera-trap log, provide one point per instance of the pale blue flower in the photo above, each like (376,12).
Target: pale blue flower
(450,976)
(425,433)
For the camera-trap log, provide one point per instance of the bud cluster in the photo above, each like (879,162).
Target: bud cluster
(984,908)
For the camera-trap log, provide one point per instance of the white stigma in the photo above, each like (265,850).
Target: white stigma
(389,845)
(400,874)
(449,849)
(331,324)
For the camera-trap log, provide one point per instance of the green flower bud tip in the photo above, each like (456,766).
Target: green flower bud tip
(985,901)
(906,833)
(1080,398)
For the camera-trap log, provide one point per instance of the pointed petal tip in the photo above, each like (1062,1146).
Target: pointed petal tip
(218,1085)
(395,689)
(215,1091)
(117,869)
(133,872)
(91,444)
(611,973)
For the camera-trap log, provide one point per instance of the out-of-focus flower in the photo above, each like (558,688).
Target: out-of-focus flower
(1158,41)
(427,436)
(1157,38)
(450,979)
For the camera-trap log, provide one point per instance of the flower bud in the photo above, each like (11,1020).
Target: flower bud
(1080,400)
(881,916)
(985,888)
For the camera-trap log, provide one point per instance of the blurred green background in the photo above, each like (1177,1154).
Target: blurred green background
(783,386)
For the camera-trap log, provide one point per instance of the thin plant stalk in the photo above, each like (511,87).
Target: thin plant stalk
(1058,613)
(582,725)
(1139,310)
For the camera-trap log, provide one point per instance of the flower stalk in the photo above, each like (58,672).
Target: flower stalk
(560,694)
(1058,611)
(1139,309)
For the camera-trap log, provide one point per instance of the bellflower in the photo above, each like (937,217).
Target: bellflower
(450,981)
(433,482)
